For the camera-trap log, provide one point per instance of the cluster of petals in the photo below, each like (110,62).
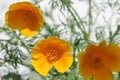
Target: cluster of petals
(26,17)
(99,61)
(51,52)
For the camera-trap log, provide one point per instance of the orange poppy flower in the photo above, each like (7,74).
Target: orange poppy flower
(99,61)
(51,52)
(25,17)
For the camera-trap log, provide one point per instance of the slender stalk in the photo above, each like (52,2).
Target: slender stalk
(1,61)
(74,55)
(25,46)
(73,12)
(80,20)
(92,78)
(119,76)
(75,19)
(113,36)
(90,17)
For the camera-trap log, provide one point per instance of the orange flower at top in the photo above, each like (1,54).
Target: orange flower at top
(25,17)
(99,61)
(51,52)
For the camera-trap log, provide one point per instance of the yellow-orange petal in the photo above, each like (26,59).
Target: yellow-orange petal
(64,63)
(59,44)
(27,6)
(93,49)
(41,65)
(28,33)
(13,20)
(103,73)
(85,67)
(36,51)
(26,19)
(90,49)
(111,57)
(101,47)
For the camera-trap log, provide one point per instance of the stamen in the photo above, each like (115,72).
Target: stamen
(51,56)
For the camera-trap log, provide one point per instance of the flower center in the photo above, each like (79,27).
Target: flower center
(96,63)
(52,56)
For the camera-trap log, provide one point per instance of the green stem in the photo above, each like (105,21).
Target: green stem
(92,78)
(74,55)
(80,20)
(18,38)
(72,11)
(1,61)
(75,19)
(90,18)
(113,36)
(24,45)
(119,76)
